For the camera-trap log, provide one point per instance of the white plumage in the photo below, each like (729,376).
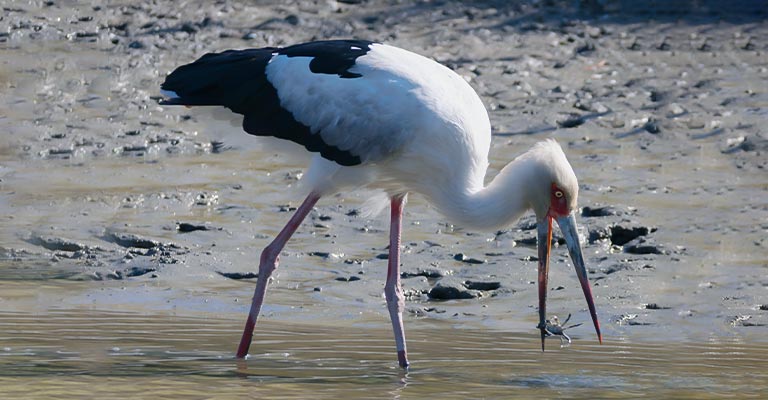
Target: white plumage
(405,107)
(385,118)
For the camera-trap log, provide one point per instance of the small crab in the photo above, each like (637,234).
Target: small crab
(553,327)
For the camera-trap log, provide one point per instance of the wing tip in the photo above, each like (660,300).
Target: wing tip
(169,94)
(171,98)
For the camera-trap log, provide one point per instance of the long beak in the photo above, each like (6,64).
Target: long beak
(544,229)
(568,227)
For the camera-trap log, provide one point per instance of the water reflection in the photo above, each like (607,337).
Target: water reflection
(66,351)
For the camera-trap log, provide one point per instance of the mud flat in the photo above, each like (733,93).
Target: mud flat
(142,207)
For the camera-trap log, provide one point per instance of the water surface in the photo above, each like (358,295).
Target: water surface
(87,353)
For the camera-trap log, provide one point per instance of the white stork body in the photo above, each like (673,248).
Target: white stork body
(382,117)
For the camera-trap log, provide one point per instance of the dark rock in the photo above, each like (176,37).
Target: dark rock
(185,227)
(654,306)
(706,84)
(621,235)
(250,36)
(657,96)
(743,320)
(582,105)
(763,307)
(119,26)
(749,144)
(292,19)
(188,28)
(425,272)
(450,293)
(597,234)
(350,279)
(238,275)
(60,152)
(219,146)
(482,285)
(664,46)
(138,271)
(527,241)
(704,46)
(86,34)
(748,45)
(131,240)
(571,121)
(605,211)
(116,275)
(652,127)
(135,148)
(451,289)
(643,246)
(286,208)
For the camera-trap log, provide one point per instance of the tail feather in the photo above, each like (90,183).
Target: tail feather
(232,79)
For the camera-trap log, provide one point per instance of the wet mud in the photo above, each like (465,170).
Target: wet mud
(662,115)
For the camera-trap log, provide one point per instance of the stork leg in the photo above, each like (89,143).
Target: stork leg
(393,290)
(270,257)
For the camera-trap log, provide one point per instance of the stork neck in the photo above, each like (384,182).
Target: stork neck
(499,204)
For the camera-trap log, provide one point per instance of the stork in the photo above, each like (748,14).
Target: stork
(378,116)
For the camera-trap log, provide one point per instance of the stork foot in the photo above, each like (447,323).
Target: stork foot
(402,359)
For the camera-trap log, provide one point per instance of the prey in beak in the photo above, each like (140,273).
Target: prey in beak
(559,212)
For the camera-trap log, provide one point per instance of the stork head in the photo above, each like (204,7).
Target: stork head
(554,191)
(553,187)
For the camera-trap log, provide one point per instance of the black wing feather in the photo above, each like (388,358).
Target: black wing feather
(237,79)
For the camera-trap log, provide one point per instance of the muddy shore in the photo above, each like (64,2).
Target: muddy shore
(140,206)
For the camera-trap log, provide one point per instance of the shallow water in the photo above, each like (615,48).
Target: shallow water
(87,353)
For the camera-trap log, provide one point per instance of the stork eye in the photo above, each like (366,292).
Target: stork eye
(558,194)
